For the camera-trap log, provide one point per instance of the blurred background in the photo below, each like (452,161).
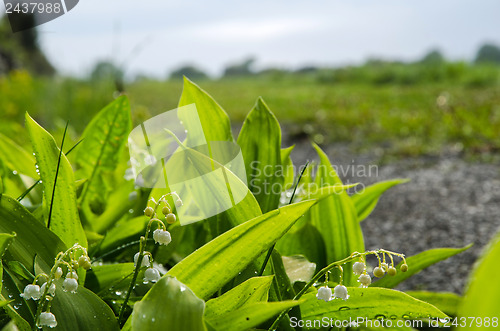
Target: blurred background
(413,87)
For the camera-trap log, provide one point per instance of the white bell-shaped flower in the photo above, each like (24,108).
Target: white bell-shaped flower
(340,292)
(31,292)
(70,285)
(72,274)
(324,293)
(358,268)
(145,260)
(51,291)
(365,280)
(162,237)
(58,273)
(47,319)
(151,275)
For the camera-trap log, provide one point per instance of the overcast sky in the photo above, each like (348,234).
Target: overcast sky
(154,37)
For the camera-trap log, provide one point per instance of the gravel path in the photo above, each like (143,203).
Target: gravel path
(448,203)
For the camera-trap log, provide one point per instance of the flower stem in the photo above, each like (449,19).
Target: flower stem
(142,246)
(328,268)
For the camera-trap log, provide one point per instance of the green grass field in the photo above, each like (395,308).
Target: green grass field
(404,120)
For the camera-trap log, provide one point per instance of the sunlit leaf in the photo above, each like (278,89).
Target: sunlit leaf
(213,265)
(171,305)
(335,217)
(481,297)
(16,158)
(253,290)
(369,303)
(260,142)
(447,302)
(366,200)
(65,221)
(298,268)
(250,316)
(214,120)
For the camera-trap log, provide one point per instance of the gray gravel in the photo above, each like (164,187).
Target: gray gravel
(448,203)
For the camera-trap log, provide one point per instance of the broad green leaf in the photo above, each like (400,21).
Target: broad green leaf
(250,316)
(5,241)
(253,290)
(416,263)
(335,218)
(298,268)
(213,118)
(169,305)
(20,271)
(65,221)
(213,265)
(366,200)
(32,237)
(281,287)
(118,204)
(16,158)
(81,311)
(102,277)
(17,309)
(102,145)
(369,303)
(306,241)
(122,232)
(260,142)
(288,170)
(483,290)
(447,302)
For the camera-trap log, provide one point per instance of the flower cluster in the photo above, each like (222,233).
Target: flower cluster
(74,258)
(161,236)
(359,268)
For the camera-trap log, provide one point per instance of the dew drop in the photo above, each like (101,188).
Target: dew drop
(380,317)
(406,316)
(344,308)
(14,172)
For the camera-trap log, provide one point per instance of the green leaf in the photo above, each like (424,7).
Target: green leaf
(447,302)
(103,141)
(250,316)
(5,241)
(306,241)
(20,270)
(214,120)
(16,158)
(298,268)
(65,221)
(369,303)
(366,200)
(335,218)
(171,305)
(102,277)
(483,290)
(253,290)
(416,263)
(17,309)
(288,170)
(260,142)
(221,259)
(32,237)
(81,311)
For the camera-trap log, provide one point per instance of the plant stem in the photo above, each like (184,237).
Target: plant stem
(142,246)
(323,271)
(270,251)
